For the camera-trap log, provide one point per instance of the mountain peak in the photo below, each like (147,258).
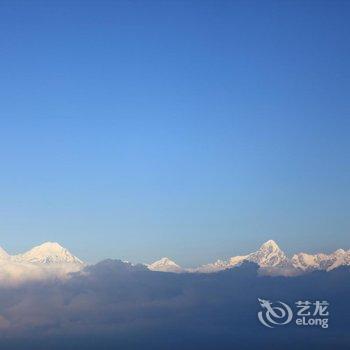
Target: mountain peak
(50,246)
(270,244)
(164,262)
(49,253)
(165,265)
(269,255)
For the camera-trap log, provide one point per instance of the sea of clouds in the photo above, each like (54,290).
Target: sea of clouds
(117,305)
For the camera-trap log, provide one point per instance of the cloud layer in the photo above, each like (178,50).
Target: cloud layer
(120,305)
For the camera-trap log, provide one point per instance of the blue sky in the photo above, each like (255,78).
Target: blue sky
(189,129)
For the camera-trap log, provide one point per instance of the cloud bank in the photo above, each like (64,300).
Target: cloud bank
(117,305)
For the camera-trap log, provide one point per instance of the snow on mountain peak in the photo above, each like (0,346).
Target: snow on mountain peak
(270,245)
(271,260)
(165,265)
(165,261)
(269,255)
(46,261)
(320,261)
(49,253)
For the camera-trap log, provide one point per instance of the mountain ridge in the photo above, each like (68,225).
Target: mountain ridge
(51,259)
(271,260)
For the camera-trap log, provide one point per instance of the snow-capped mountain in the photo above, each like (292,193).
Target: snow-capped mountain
(218,265)
(309,262)
(46,261)
(273,261)
(165,265)
(48,253)
(52,260)
(268,255)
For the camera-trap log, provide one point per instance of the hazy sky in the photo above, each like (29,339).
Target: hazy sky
(189,129)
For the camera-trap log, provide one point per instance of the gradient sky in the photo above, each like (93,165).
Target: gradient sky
(190,129)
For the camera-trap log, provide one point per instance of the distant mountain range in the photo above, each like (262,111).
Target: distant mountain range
(51,260)
(271,259)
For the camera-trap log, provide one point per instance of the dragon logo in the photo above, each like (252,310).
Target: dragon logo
(274,313)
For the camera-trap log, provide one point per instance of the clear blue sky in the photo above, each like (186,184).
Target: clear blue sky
(189,129)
